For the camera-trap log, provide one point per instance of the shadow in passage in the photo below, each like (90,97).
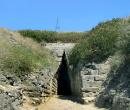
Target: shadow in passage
(63,79)
(64,83)
(71,98)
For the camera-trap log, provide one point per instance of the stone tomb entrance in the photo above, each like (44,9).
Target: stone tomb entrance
(63,80)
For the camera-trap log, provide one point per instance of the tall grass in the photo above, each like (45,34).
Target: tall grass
(50,36)
(22,55)
(102,42)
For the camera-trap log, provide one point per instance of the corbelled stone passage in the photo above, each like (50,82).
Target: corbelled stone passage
(61,84)
(63,80)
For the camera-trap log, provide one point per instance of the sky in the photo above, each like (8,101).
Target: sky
(73,15)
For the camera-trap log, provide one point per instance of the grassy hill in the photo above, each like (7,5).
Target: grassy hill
(22,55)
(97,45)
(104,40)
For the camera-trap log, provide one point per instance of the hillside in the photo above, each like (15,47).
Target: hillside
(103,41)
(21,55)
(78,67)
(101,64)
(26,69)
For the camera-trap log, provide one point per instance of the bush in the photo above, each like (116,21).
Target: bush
(99,45)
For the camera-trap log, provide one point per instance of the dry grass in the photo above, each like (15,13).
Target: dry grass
(19,54)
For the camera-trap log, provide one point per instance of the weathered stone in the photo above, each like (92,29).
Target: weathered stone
(87,100)
(100,77)
(89,94)
(104,68)
(59,48)
(91,83)
(60,53)
(88,77)
(86,72)
(91,66)
(90,89)
(12,79)
(36,101)
(2,78)
(89,72)
(10,98)
(94,72)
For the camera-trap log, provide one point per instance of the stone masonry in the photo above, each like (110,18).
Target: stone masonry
(87,80)
(59,48)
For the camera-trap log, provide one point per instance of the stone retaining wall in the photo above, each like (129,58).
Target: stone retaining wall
(36,87)
(87,80)
(41,84)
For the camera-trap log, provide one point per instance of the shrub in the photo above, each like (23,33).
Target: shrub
(99,45)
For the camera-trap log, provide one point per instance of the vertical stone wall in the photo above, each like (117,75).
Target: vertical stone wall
(87,80)
(76,80)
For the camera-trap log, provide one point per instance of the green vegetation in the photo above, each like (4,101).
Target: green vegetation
(22,55)
(50,36)
(102,41)
(25,55)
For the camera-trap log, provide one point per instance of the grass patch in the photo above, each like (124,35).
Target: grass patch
(22,55)
(102,41)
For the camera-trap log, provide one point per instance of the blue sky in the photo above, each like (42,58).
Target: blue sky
(73,15)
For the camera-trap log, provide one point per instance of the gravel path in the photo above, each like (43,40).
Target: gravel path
(66,103)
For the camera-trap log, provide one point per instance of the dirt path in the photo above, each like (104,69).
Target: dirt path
(65,103)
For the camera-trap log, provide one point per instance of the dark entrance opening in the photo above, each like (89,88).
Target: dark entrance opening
(63,79)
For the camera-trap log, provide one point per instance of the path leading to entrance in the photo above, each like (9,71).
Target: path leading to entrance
(66,103)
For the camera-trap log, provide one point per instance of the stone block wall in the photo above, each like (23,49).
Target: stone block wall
(91,83)
(87,80)
(59,48)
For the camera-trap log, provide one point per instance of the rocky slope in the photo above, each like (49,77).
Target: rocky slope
(18,85)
